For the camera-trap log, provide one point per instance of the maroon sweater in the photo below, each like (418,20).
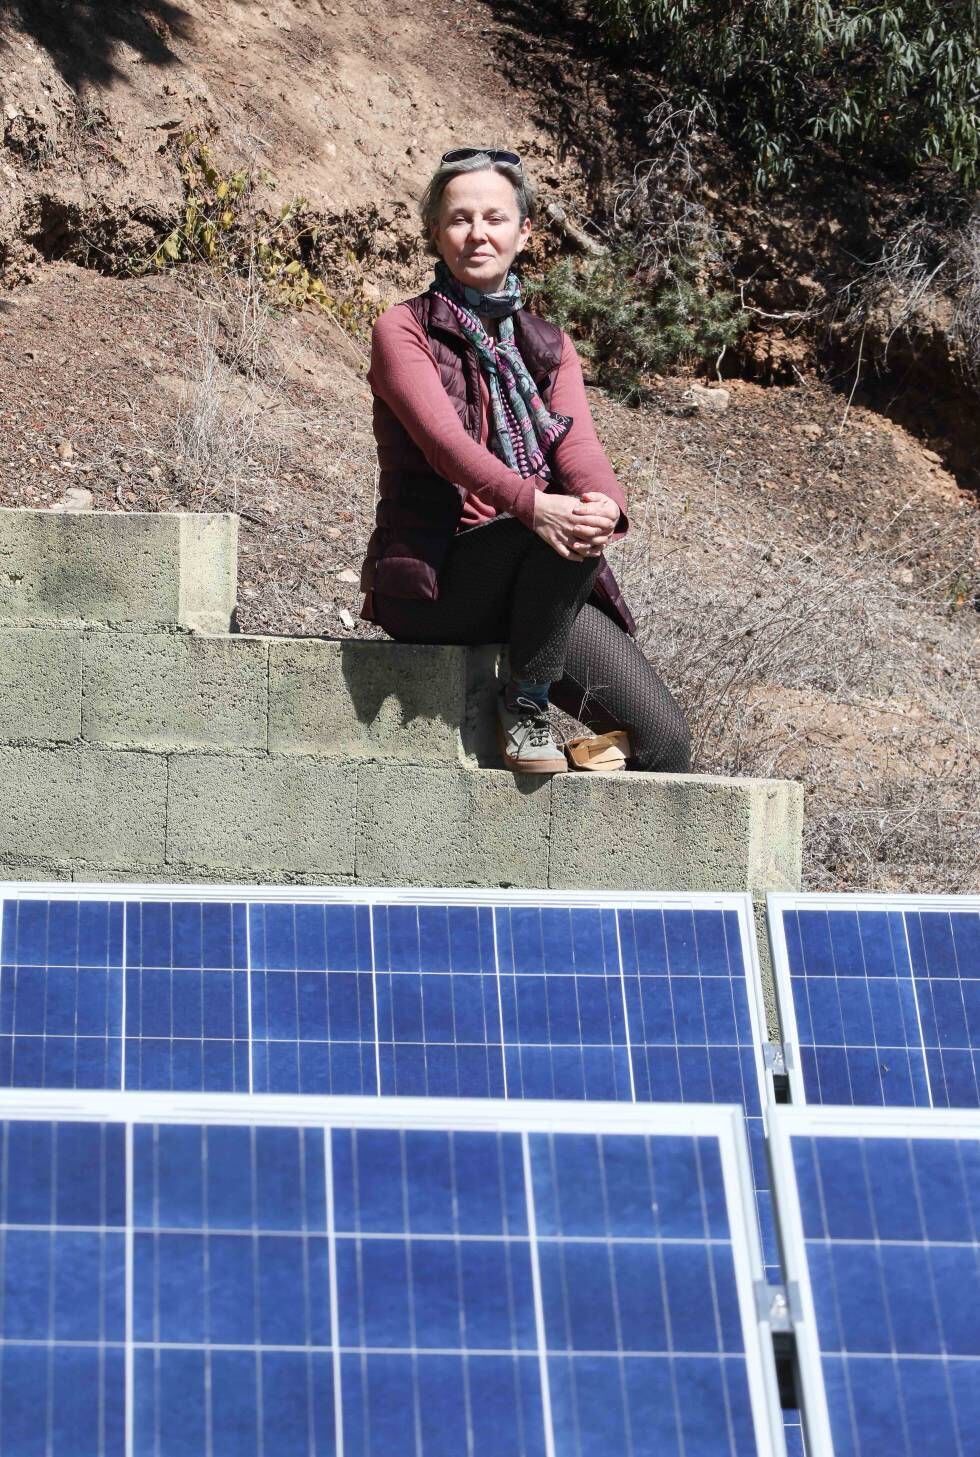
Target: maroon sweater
(405,375)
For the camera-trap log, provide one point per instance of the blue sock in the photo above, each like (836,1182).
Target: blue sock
(524,688)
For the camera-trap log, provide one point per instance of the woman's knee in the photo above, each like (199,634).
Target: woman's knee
(571,569)
(666,747)
(677,752)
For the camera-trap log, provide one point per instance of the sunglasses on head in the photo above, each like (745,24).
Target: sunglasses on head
(460,154)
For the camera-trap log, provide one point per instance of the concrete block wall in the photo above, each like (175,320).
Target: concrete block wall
(140,739)
(126,572)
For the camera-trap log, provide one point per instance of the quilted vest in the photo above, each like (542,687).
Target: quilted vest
(418,511)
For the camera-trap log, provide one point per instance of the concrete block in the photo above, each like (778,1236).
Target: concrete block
(40,686)
(66,804)
(208,570)
(205,875)
(35,874)
(776,844)
(126,570)
(175,691)
(451,826)
(277,814)
(673,832)
(380,700)
(486,669)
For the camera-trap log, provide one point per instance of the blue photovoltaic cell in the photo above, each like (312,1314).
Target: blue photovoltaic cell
(312,999)
(437,1001)
(563,1007)
(945,950)
(186,997)
(231,1322)
(99,994)
(61,994)
(671,1238)
(890,1228)
(62,1288)
(426,1291)
(887,1005)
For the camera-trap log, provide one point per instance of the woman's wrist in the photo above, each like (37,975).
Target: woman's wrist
(525,503)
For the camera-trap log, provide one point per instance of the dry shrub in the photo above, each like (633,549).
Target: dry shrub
(966,316)
(660,212)
(925,269)
(763,635)
(920,834)
(233,420)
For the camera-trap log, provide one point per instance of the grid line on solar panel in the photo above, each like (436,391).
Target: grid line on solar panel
(880,1213)
(540,1332)
(879,998)
(313,1288)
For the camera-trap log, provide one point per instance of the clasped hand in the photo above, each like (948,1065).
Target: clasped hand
(575,526)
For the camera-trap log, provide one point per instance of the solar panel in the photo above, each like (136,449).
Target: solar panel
(513,995)
(880,1213)
(188,1275)
(445,993)
(879,998)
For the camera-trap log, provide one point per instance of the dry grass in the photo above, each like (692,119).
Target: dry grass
(233,422)
(917,835)
(290,460)
(770,641)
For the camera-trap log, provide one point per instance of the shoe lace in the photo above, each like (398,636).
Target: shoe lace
(534,719)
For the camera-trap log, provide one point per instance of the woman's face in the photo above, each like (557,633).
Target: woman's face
(479,233)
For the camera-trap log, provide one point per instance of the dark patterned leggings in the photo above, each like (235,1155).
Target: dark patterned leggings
(502,583)
(608,684)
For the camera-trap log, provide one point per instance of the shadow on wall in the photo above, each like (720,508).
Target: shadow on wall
(400,681)
(83,36)
(427,702)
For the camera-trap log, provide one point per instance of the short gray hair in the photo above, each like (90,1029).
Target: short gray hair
(431,199)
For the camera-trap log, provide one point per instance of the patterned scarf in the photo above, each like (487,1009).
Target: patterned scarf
(524,431)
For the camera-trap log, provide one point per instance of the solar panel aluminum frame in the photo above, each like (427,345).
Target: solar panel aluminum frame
(785,1124)
(722,1121)
(739,902)
(778,901)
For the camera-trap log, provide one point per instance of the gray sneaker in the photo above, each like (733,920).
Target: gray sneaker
(526,740)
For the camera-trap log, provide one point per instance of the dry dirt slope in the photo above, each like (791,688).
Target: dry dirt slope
(345,103)
(805,572)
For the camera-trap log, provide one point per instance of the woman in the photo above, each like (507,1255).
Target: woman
(496,499)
